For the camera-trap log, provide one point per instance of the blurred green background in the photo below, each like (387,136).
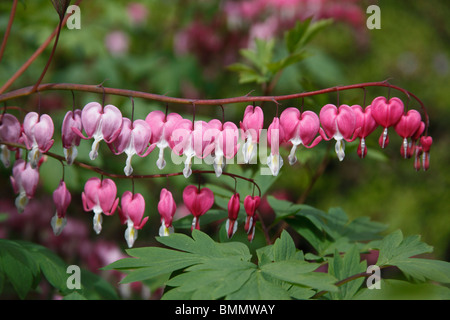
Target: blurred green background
(157,49)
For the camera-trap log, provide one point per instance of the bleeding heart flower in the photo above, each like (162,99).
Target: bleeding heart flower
(38,132)
(251,126)
(425,142)
(100,196)
(162,128)
(338,124)
(99,123)
(300,128)
(198,202)
(134,138)
(275,137)
(70,139)
(62,199)
(225,137)
(191,140)
(386,114)
(234,206)
(131,213)
(166,209)
(251,203)
(24,180)
(10,131)
(367,125)
(407,127)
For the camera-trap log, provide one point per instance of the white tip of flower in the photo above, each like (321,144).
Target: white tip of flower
(5,156)
(249,150)
(21,201)
(130,234)
(187,171)
(98,220)
(227,226)
(292,158)
(385,134)
(275,162)
(340,148)
(58,224)
(161,163)
(94,151)
(128,168)
(165,231)
(34,156)
(70,154)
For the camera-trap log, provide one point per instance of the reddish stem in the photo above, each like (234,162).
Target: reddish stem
(8,28)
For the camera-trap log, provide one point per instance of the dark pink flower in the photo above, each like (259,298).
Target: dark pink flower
(225,137)
(99,123)
(134,138)
(367,125)
(338,124)
(70,139)
(407,127)
(131,213)
(162,128)
(62,199)
(425,145)
(10,131)
(251,127)
(38,132)
(275,137)
(300,129)
(166,208)
(24,180)
(191,140)
(234,206)
(386,114)
(100,196)
(198,202)
(251,203)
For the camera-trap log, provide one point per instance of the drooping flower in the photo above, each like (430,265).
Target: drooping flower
(251,203)
(367,125)
(425,143)
(62,199)
(162,128)
(300,128)
(99,196)
(131,212)
(192,141)
(234,206)
(166,209)
(275,137)
(406,127)
(24,180)
(226,144)
(100,123)
(70,139)
(38,132)
(133,139)
(198,202)
(386,114)
(10,131)
(338,123)
(251,126)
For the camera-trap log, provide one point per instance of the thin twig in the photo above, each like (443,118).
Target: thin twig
(8,28)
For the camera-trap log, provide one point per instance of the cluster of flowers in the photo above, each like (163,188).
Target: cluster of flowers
(199,139)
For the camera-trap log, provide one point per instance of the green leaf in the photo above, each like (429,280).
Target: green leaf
(18,267)
(284,247)
(300,272)
(391,289)
(394,250)
(344,267)
(258,288)
(304,32)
